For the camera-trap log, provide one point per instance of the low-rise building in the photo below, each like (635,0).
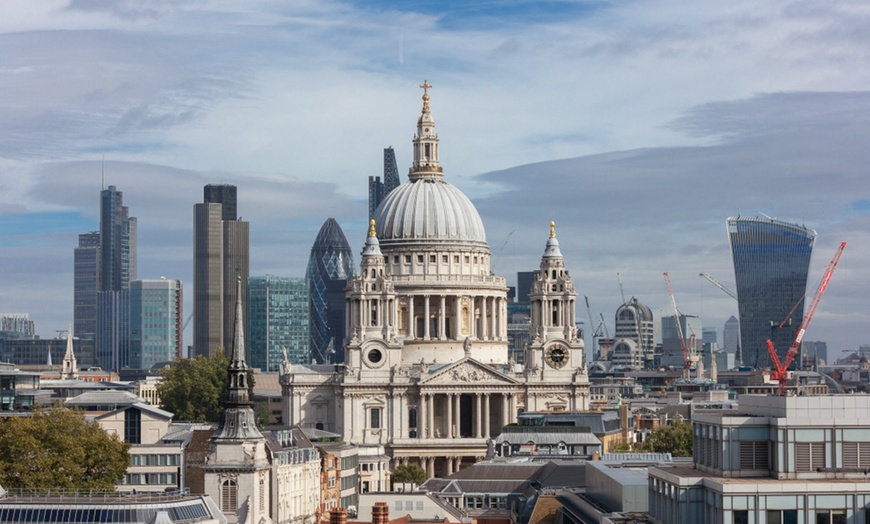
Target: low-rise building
(774,459)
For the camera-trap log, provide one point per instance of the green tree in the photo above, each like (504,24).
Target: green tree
(58,448)
(192,388)
(409,473)
(675,439)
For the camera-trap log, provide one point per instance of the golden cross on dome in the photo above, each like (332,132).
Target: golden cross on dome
(552,229)
(372,228)
(426,87)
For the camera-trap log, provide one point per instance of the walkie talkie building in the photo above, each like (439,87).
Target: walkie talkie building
(771,263)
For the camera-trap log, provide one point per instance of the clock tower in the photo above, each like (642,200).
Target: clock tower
(556,351)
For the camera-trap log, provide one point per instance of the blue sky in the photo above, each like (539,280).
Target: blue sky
(637,126)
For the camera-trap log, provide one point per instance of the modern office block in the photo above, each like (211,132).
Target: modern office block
(278,321)
(220,256)
(329,266)
(771,263)
(113,329)
(104,265)
(155,322)
(117,242)
(524,285)
(86,275)
(772,459)
(16,325)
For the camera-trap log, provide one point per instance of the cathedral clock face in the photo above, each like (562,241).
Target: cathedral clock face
(556,356)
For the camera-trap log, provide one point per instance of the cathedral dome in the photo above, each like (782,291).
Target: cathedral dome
(428,210)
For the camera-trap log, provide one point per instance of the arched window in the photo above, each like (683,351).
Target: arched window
(229,497)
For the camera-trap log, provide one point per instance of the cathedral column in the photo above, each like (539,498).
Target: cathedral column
(449,417)
(412,322)
(505,410)
(422,417)
(442,335)
(430,429)
(512,403)
(457,315)
(483,324)
(457,417)
(449,461)
(477,412)
(426,317)
(486,432)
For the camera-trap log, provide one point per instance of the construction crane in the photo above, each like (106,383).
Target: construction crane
(603,324)
(719,285)
(621,292)
(780,371)
(689,356)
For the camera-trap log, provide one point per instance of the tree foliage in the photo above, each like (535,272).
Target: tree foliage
(58,448)
(675,439)
(409,473)
(192,388)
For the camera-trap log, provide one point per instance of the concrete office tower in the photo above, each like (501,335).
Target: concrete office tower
(329,266)
(771,262)
(278,321)
(86,283)
(634,321)
(155,322)
(220,256)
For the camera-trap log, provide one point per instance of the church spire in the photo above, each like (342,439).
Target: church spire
(426,164)
(237,419)
(69,369)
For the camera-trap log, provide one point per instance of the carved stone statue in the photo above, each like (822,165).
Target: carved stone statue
(467,346)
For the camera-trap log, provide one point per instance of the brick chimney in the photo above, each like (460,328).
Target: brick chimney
(337,516)
(380,513)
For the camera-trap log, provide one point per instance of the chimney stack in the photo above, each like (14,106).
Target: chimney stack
(337,516)
(380,513)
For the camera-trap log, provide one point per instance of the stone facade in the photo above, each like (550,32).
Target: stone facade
(427,374)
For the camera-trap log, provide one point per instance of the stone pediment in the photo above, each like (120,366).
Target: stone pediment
(466,371)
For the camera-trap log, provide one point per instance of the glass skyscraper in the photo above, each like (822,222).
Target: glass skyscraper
(155,322)
(277,321)
(329,266)
(378,190)
(771,263)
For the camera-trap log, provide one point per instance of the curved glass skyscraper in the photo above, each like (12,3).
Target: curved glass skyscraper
(771,263)
(329,266)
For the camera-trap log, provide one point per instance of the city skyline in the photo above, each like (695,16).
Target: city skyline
(638,128)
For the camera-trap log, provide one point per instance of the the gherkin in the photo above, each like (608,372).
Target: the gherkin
(329,266)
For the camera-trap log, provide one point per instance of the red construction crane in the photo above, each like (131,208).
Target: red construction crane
(780,371)
(689,356)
